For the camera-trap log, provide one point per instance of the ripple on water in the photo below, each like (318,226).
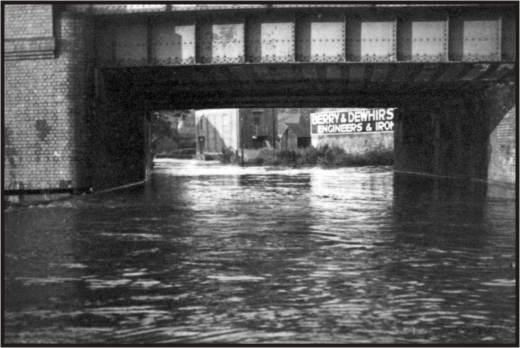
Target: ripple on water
(207,253)
(500,282)
(235,278)
(132,236)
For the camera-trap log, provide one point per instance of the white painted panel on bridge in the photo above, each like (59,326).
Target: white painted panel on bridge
(112,8)
(481,40)
(122,8)
(173,44)
(131,44)
(143,8)
(429,40)
(227,43)
(378,41)
(327,41)
(277,42)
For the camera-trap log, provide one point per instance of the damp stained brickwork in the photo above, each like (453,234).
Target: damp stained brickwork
(46,100)
(42,129)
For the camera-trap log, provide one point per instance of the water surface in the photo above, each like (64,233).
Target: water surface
(207,253)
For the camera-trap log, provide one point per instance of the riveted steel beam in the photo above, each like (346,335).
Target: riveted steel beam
(476,38)
(172,42)
(423,39)
(270,39)
(393,34)
(371,39)
(321,38)
(220,40)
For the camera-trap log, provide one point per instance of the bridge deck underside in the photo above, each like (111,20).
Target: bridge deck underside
(298,84)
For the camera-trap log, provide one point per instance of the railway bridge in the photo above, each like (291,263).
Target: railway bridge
(81,80)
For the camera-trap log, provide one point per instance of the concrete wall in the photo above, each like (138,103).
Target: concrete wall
(471,136)
(46,79)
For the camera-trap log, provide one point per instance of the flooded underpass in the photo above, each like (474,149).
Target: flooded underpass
(211,253)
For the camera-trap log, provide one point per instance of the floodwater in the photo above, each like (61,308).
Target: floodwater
(207,253)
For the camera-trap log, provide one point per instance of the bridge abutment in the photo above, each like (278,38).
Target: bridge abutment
(463,136)
(120,135)
(47,81)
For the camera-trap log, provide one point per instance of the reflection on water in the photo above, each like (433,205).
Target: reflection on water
(208,253)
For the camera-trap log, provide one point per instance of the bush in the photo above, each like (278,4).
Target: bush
(308,155)
(326,156)
(228,156)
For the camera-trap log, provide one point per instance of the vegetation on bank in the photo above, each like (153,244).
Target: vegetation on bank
(326,156)
(187,153)
(173,134)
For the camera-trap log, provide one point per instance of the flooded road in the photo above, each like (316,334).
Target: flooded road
(207,253)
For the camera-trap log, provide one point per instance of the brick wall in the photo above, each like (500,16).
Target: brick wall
(28,21)
(46,100)
(502,140)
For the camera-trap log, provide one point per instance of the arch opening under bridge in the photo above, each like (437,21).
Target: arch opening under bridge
(445,126)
